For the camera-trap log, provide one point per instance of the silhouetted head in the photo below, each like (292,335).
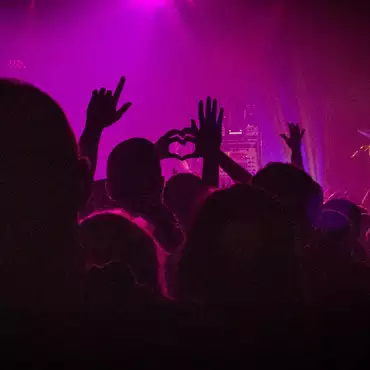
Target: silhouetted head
(183,194)
(43,182)
(295,189)
(339,278)
(111,236)
(134,177)
(42,177)
(350,210)
(240,249)
(334,232)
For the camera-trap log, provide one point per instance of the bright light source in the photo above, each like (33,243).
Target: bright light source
(150,3)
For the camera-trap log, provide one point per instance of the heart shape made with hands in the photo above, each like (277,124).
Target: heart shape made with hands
(182,137)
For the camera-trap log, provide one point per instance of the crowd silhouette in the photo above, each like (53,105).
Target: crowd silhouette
(135,269)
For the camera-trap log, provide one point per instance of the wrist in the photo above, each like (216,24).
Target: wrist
(160,153)
(296,151)
(93,129)
(211,152)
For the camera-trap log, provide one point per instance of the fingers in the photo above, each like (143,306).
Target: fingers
(95,93)
(170,133)
(193,130)
(102,91)
(190,139)
(109,94)
(214,108)
(175,139)
(208,107)
(293,126)
(190,156)
(119,88)
(189,135)
(283,136)
(123,109)
(194,125)
(201,111)
(164,143)
(210,111)
(173,155)
(295,130)
(220,117)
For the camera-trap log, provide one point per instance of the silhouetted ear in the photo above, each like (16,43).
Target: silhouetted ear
(85,181)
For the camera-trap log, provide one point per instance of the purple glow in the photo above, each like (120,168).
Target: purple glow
(282,59)
(150,3)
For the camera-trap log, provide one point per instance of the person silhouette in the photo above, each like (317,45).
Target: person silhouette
(135,182)
(44,182)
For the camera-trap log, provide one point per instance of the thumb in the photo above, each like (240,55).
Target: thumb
(123,110)
(284,137)
(194,125)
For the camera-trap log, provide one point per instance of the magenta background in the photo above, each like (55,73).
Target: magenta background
(306,61)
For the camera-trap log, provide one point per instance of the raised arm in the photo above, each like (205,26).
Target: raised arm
(102,112)
(294,142)
(233,169)
(207,139)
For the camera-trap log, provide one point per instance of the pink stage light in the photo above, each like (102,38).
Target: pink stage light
(151,3)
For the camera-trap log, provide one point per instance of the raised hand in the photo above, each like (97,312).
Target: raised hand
(294,141)
(102,111)
(163,144)
(208,137)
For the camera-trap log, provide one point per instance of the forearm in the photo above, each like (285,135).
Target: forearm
(233,169)
(89,145)
(211,171)
(297,159)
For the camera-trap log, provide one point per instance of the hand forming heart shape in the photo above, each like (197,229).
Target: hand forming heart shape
(183,137)
(174,136)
